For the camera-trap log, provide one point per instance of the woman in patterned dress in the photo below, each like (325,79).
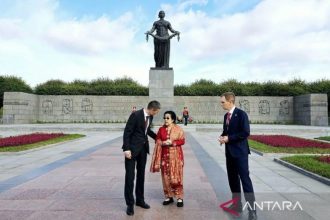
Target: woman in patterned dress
(168,158)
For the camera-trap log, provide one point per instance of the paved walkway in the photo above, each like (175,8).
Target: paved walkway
(84,179)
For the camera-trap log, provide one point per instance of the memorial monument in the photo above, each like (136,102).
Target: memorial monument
(161,77)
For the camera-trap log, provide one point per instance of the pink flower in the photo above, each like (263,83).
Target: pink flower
(288,141)
(27,139)
(324,159)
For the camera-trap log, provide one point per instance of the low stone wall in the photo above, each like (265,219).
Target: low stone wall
(311,109)
(260,109)
(22,108)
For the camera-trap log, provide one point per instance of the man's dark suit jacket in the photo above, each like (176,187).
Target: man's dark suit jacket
(237,132)
(134,134)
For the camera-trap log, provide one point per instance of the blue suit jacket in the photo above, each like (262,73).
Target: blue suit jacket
(237,132)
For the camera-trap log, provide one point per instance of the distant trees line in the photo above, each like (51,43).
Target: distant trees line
(127,86)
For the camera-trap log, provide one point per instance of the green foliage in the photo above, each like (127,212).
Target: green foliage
(203,82)
(298,87)
(232,85)
(198,88)
(295,87)
(324,138)
(320,86)
(311,164)
(202,87)
(12,84)
(252,89)
(1,112)
(181,90)
(100,86)
(51,87)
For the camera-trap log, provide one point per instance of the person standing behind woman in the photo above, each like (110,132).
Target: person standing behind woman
(168,157)
(185,115)
(133,109)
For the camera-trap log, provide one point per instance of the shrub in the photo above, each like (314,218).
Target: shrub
(295,87)
(100,86)
(12,84)
(51,87)
(202,87)
(182,90)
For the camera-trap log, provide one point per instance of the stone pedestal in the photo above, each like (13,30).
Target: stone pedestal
(161,88)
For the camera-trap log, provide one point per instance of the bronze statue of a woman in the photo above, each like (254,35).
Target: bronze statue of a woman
(162,40)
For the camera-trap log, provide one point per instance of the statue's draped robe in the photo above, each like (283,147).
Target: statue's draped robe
(162,46)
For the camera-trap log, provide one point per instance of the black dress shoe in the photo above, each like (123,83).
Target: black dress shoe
(253,215)
(143,205)
(236,207)
(168,201)
(130,210)
(179,203)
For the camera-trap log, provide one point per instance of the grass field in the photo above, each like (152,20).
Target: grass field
(310,163)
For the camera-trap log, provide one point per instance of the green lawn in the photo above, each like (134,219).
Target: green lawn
(324,138)
(67,137)
(310,163)
(294,150)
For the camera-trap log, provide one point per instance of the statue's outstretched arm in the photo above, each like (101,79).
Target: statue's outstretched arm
(150,32)
(152,29)
(171,29)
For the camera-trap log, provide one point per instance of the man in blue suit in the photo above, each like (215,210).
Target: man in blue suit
(236,130)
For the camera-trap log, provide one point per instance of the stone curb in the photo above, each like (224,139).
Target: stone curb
(257,152)
(303,171)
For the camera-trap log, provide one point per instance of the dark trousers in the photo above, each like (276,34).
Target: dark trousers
(185,120)
(140,162)
(238,171)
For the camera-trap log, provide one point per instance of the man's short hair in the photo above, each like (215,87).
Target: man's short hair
(153,105)
(229,96)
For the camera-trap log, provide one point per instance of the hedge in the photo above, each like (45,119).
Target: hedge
(202,87)
(12,84)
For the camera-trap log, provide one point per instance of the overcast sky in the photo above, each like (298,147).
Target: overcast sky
(247,40)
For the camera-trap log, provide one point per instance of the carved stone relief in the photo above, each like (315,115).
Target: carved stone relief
(47,107)
(284,107)
(244,105)
(67,106)
(264,107)
(86,105)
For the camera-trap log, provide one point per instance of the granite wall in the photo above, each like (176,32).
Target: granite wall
(21,108)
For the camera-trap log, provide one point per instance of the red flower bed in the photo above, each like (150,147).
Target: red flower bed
(27,139)
(288,141)
(324,159)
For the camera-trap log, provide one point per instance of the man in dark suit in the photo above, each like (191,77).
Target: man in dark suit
(136,148)
(236,130)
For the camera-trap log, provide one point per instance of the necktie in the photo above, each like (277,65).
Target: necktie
(146,122)
(228,118)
